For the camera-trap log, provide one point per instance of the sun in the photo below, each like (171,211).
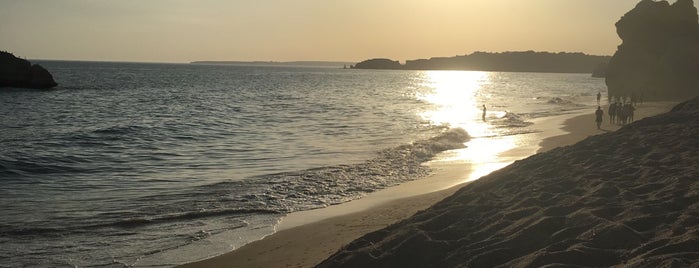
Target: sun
(457,98)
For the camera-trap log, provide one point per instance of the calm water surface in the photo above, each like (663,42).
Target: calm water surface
(132,164)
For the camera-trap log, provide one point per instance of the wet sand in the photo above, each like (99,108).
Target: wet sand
(305,239)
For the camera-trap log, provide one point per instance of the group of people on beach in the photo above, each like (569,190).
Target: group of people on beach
(619,112)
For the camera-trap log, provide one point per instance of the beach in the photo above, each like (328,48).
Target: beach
(198,177)
(305,239)
(625,198)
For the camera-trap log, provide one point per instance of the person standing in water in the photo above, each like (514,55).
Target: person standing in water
(598,116)
(483,112)
(599,97)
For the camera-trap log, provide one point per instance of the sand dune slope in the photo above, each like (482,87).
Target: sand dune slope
(626,198)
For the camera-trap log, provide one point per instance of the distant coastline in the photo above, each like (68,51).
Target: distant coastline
(338,64)
(520,61)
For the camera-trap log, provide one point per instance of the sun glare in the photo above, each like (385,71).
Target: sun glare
(458,98)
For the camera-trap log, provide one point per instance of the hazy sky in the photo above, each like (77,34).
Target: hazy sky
(287,30)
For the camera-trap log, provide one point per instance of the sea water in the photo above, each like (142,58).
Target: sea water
(141,164)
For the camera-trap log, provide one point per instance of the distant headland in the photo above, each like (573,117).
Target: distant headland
(20,73)
(518,61)
(338,64)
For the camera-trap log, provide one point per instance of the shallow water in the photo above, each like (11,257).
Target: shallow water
(135,164)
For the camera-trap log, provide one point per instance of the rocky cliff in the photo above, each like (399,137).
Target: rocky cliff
(659,56)
(16,72)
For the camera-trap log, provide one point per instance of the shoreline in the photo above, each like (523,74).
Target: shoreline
(628,198)
(298,242)
(575,131)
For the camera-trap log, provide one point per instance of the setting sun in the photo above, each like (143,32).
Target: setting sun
(458,99)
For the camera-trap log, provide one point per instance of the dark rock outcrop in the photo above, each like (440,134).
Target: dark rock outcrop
(378,64)
(659,56)
(16,72)
(601,70)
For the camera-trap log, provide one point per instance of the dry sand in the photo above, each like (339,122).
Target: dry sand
(626,198)
(307,239)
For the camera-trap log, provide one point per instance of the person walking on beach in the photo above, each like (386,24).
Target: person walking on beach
(599,96)
(629,112)
(598,116)
(483,112)
(612,112)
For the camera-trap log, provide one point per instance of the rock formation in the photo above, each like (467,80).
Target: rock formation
(378,64)
(601,70)
(16,72)
(659,56)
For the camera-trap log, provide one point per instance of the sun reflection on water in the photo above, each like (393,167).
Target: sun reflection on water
(458,97)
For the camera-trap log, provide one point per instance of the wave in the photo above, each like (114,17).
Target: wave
(135,222)
(511,120)
(274,193)
(563,102)
(71,153)
(188,216)
(119,130)
(324,186)
(21,165)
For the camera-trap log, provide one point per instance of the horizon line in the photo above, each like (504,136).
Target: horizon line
(292,61)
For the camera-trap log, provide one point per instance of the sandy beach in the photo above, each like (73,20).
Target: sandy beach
(625,198)
(306,239)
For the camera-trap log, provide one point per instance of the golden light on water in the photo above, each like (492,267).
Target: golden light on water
(458,97)
(455,95)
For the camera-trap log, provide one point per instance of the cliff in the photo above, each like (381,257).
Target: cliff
(659,55)
(16,72)
(524,61)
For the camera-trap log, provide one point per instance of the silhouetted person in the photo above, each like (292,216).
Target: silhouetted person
(621,113)
(612,112)
(630,110)
(484,112)
(599,96)
(598,116)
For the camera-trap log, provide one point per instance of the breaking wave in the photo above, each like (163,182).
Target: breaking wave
(324,186)
(278,193)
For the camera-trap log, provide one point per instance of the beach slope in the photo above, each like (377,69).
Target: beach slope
(628,198)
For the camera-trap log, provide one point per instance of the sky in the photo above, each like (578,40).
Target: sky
(293,30)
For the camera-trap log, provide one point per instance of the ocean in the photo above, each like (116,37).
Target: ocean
(154,165)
